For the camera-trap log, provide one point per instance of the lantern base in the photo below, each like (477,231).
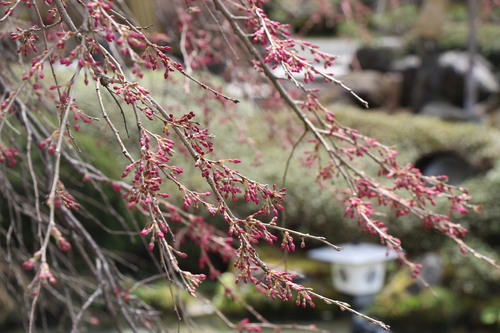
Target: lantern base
(360,324)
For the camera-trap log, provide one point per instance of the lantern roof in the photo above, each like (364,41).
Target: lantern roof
(355,254)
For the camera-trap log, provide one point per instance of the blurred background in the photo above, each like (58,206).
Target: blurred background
(430,71)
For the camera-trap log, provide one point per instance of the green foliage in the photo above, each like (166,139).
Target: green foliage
(397,302)
(486,226)
(161,296)
(99,152)
(475,278)
(305,14)
(465,297)
(414,136)
(456,34)
(490,314)
(397,21)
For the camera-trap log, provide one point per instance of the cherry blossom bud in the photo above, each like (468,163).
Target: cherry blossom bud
(63,244)
(29,264)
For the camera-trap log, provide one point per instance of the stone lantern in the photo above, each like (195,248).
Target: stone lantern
(358,271)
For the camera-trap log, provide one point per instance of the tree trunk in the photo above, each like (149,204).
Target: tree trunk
(428,29)
(470,82)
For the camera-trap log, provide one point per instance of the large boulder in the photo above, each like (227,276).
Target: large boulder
(454,66)
(452,72)
(372,58)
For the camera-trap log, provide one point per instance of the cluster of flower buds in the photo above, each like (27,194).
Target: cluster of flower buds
(7,155)
(231,183)
(27,39)
(50,143)
(123,294)
(192,281)
(45,275)
(150,171)
(63,197)
(280,285)
(132,92)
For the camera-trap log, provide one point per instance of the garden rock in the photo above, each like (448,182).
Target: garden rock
(454,66)
(371,58)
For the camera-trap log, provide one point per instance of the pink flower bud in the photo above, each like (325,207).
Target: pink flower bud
(29,264)
(63,245)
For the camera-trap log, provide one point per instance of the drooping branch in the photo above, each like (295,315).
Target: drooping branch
(421,190)
(48,116)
